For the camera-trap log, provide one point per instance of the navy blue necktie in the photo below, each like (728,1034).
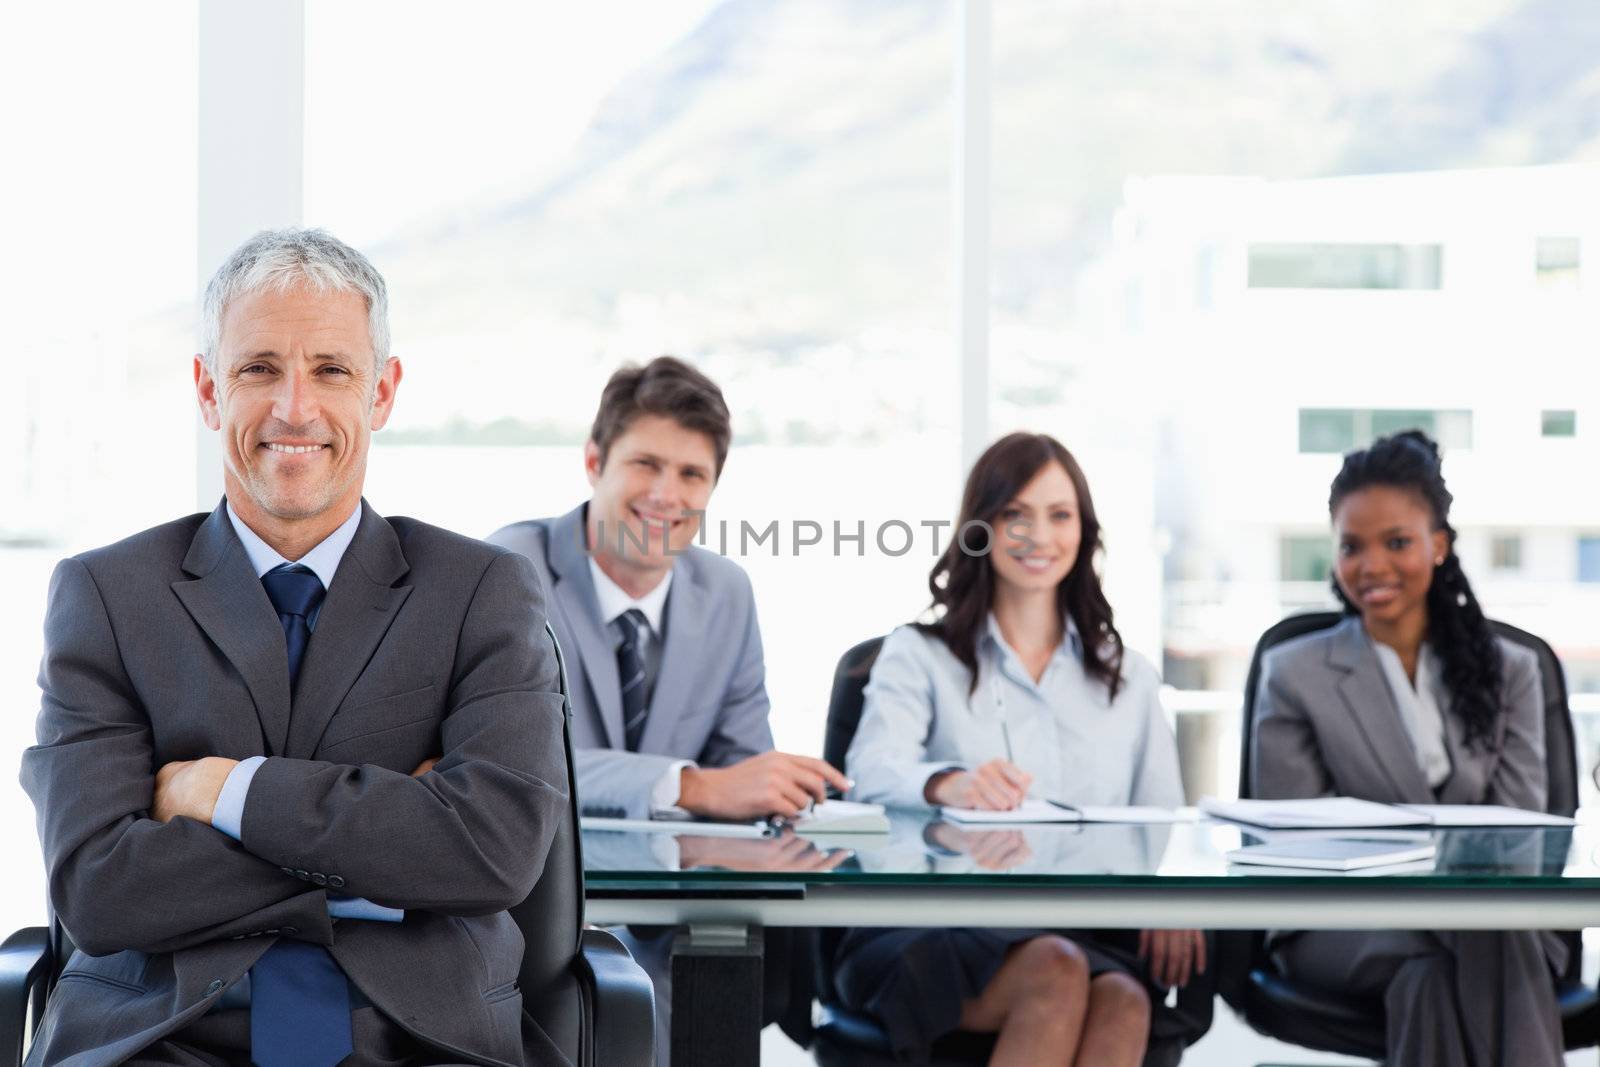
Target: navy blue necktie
(630,674)
(299,998)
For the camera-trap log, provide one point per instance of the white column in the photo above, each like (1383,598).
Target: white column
(970,229)
(252,103)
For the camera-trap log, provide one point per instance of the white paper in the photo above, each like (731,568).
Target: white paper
(1128,813)
(1318,812)
(1031,810)
(1486,815)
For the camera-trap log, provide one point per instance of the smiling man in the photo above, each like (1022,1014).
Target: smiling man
(670,713)
(669,698)
(295,760)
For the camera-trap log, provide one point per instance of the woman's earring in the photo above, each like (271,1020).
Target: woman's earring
(1439,562)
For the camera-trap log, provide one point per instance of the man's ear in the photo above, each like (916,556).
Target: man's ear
(383,392)
(592,463)
(205,390)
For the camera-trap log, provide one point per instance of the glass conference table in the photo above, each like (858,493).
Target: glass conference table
(723,892)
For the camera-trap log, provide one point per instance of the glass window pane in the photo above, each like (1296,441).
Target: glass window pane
(1327,430)
(97,409)
(1505,552)
(1344,266)
(760,189)
(1306,558)
(1245,237)
(1385,423)
(1589,559)
(1558,423)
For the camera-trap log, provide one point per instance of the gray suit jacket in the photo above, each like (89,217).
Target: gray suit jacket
(165,647)
(710,698)
(1326,724)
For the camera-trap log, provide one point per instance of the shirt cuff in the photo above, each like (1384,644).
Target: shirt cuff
(361,908)
(668,788)
(228,815)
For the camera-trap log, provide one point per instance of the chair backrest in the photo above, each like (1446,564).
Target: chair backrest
(844,715)
(1560,745)
(551,917)
(846,699)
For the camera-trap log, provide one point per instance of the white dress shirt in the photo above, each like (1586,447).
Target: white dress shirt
(614,601)
(1419,707)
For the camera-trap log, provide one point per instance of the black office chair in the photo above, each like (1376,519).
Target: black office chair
(580,985)
(1313,1018)
(847,1038)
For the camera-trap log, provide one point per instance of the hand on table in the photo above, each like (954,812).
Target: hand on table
(772,783)
(998,785)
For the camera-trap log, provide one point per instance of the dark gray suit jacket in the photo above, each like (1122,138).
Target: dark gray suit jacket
(710,698)
(165,647)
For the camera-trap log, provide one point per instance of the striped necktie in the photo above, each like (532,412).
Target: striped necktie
(631,675)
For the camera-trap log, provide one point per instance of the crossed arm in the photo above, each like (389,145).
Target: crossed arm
(133,864)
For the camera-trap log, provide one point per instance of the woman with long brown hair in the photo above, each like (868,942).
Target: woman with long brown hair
(1018,686)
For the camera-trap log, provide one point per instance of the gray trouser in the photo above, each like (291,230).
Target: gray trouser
(1477,998)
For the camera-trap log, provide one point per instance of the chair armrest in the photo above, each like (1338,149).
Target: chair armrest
(619,1002)
(24,959)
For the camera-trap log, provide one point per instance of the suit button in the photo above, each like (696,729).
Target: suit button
(304,876)
(288,929)
(319,878)
(287,870)
(236,937)
(335,881)
(215,987)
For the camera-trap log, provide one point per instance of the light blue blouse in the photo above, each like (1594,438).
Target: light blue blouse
(1080,746)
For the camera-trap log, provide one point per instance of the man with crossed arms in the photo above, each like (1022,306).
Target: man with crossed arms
(294,760)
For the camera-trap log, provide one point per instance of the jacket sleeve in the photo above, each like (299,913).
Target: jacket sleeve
(1520,778)
(117,878)
(888,757)
(1285,760)
(470,837)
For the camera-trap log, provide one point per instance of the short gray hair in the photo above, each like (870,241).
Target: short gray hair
(282,259)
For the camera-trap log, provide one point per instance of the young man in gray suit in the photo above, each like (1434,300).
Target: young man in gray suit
(295,760)
(669,699)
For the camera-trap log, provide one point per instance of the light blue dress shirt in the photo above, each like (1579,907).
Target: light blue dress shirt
(922,716)
(228,816)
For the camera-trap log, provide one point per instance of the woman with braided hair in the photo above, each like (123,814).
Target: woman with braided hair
(1412,699)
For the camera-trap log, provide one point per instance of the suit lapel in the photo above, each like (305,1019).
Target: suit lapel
(1372,708)
(227,601)
(356,613)
(682,651)
(574,592)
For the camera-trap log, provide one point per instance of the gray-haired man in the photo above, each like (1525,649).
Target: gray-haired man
(295,760)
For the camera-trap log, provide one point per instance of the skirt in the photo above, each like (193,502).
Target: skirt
(913,981)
